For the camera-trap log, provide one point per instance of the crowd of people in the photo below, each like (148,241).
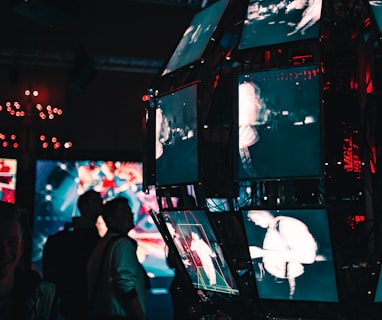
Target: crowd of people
(85,276)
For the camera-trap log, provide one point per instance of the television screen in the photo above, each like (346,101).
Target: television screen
(196,37)
(176,151)
(291,253)
(8,176)
(278,123)
(202,256)
(376,10)
(271,22)
(58,185)
(378,292)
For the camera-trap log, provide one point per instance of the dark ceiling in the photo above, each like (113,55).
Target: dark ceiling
(119,34)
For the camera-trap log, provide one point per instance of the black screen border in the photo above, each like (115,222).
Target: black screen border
(166,182)
(236,156)
(268,302)
(273,44)
(236,292)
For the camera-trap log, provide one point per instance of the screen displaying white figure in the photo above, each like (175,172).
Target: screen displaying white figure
(270,22)
(196,37)
(206,254)
(279,123)
(291,254)
(199,250)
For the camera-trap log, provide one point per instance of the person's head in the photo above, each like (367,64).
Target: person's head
(90,205)
(117,214)
(262,218)
(11,239)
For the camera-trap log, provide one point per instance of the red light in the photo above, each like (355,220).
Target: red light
(146,97)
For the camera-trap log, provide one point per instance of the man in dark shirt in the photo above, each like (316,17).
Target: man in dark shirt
(66,253)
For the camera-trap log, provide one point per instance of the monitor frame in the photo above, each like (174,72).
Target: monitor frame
(186,222)
(274,122)
(312,217)
(303,30)
(172,134)
(184,49)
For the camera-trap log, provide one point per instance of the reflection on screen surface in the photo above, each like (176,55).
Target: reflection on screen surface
(291,254)
(278,131)
(58,185)
(196,37)
(276,22)
(201,254)
(176,137)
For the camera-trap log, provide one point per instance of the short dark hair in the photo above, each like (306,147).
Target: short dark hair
(84,198)
(111,207)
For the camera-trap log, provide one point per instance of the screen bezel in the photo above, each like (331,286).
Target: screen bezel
(286,41)
(304,214)
(200,17)
(168,215)
(194,140)
(319,167)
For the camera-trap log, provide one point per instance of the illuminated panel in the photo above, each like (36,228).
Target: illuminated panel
(198,248)
(58,185)
(279,131)
(176,148)
(270,23)
(291,254)
(197,36)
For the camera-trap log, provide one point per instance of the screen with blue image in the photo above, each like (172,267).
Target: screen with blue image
(203,258)
(291,253)
(58,184)
(269,22)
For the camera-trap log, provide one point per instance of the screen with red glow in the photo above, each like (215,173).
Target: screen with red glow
(8,176)
(291,253)
(279,124)
(58,185)
(275,22)
(176,151)
(196,37)
(195,241)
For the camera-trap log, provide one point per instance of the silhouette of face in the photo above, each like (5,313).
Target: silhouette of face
(11,247)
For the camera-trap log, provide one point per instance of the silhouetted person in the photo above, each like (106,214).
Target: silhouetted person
(66,254)
(23,293)
(116,279)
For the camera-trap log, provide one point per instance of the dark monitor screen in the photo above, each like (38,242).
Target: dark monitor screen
(278,123)
(58,185)
(291,253)
(8,179)
(202,256)
(176,151)
(271,22)
(197,36)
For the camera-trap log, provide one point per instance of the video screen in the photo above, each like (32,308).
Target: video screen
(376,10)
(201,254)
(196,37)
(270,22)
(8,177)
(58,185)
(291,253)
(278,124)
(176,152)
(378,292)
